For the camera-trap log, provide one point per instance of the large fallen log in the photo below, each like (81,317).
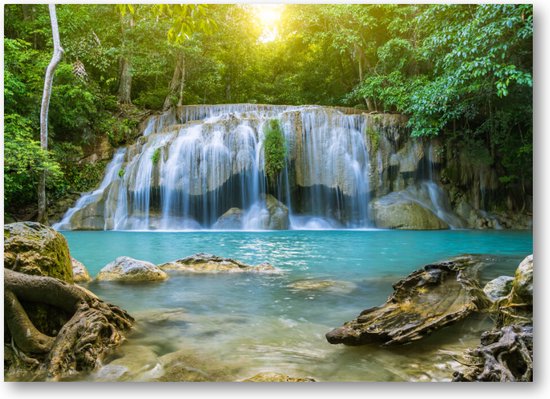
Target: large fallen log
(428,299)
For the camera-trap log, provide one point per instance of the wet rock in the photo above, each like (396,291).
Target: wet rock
(320,285)
(392,212)
(230,220)
(428,299)
(35,249)
(133,363)
(183,366)
(498,288)
(277,377)
(80,273)
(126,269)
(517,306)
(278,214)
(207,263)
(522,288)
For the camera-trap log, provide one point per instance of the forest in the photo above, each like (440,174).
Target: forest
(463,72)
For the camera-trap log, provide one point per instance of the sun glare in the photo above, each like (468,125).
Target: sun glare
(268,16)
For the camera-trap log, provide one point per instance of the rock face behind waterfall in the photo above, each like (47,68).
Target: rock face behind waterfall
(428,299)
(196,166)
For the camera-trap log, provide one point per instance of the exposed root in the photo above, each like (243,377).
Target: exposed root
(504,355)
(93,329)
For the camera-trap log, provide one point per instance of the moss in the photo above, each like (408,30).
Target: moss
(274,150)
(374,138)
(38,250)
(121,173)
(156,156)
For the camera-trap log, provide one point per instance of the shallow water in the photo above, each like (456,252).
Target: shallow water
(232,326)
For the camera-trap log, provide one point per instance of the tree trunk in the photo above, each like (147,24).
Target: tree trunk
(48,80)
(182,81)
(92,329)
(177,83)
(125,85)
(125,78)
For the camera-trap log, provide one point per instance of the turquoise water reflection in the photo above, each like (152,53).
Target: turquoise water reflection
(250,323)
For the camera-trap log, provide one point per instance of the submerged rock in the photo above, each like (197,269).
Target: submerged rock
(277,377)
(230,220)
(498,288)
(428,299)
(38,250)
(319,285)
(127,269)
(207,263)
(80,273)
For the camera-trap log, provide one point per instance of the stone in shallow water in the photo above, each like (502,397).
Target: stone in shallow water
(127,269)
(277,377)
(207,263)
(426,300)
(393,212)
(498,288)
(230,220)
(80,273)
(320,285)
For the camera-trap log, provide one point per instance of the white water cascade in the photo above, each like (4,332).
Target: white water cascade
(203,167)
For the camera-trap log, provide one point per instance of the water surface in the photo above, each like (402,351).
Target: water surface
(231,326)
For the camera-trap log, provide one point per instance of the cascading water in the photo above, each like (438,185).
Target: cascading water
(202,166)
(111,174)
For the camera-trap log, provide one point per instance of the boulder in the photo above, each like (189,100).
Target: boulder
(80,273)
(428,299)
(522,287)
(278,214)
(394,213)
(498,288)
(38,250)
(230,220)
(207,263)
(126,269)
(277,377)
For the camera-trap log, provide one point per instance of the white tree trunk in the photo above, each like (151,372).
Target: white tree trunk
(57,54)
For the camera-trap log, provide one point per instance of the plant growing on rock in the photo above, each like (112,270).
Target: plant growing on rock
(274,150)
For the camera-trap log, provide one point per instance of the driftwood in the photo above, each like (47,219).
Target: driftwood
(92,329)
(426,300)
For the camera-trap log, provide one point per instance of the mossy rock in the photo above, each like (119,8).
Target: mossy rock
(38,250)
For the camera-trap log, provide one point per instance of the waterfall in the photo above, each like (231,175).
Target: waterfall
(111,174)
(196,163)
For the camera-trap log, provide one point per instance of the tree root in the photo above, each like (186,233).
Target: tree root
(504,355)
(93,329)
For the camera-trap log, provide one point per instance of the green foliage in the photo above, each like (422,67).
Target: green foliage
(24,161)
(374,138)
(156,156)
(121,173)
(274,150)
